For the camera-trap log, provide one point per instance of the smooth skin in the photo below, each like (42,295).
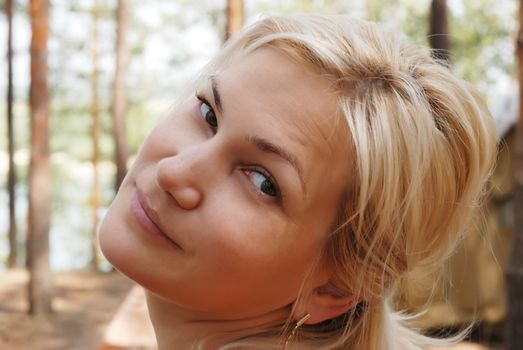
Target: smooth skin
(230,201)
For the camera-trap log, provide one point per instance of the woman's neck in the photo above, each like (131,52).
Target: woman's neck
(177,328)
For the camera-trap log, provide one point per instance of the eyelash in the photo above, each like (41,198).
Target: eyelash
(272,181)
(204,101)
(278,195)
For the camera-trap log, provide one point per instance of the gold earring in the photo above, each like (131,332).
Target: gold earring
(292,335)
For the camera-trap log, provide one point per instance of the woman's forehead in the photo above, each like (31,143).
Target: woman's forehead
(269,82)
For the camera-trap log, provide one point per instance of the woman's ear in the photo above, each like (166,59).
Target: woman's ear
(324,303)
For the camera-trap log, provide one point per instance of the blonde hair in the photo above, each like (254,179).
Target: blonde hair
(423,146)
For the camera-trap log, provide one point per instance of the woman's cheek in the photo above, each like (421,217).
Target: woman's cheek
(245,235)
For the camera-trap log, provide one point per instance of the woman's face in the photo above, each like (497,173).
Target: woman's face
(231,197)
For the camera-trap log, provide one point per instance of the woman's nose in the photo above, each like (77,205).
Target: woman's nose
(180,177)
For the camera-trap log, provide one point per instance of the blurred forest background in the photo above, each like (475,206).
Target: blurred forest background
(105,71)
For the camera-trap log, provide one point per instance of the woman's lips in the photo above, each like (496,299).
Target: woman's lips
(144,219)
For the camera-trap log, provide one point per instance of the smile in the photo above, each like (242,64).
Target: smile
(145,217)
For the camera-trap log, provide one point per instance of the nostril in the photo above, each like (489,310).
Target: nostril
(187,197)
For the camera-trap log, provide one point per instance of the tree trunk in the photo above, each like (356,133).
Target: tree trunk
(439,30)
(95,111)
(40,284)
(234,21)
(120,93)
(514,320)
(11,176)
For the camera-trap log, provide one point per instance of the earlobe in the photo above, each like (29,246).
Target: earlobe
(325,303)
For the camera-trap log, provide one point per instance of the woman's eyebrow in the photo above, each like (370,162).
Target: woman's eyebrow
(269,147)
(216,93)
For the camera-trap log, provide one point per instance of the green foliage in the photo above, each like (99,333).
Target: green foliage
(482,41)
(71,133)
(407,16)
(481,35)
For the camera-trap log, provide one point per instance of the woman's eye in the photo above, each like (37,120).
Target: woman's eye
(208,114)
(264,183)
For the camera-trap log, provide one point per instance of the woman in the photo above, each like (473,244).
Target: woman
(319,160)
